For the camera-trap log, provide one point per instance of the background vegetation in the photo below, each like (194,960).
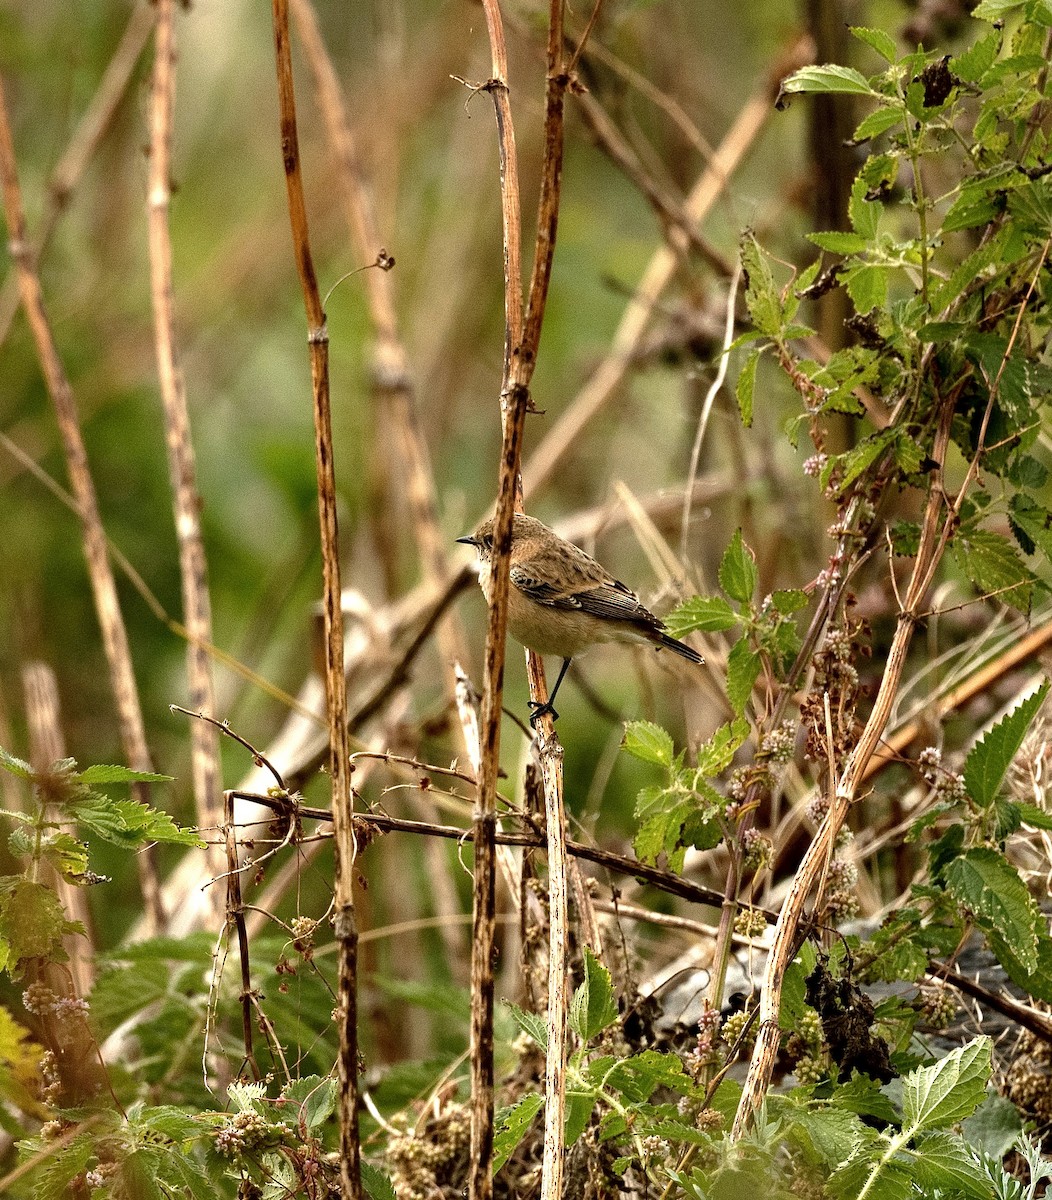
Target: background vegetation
(671,98)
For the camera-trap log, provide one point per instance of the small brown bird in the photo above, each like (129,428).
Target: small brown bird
(562,601)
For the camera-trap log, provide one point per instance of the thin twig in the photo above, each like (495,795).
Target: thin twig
(186,503)
(335,681)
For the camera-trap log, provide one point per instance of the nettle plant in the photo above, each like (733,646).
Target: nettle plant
(946,264)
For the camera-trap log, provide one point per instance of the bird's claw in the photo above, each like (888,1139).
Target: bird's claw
(538,710)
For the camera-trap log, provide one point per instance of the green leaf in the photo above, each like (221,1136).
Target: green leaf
(737,572)
(637,1077)
(1032,524)
(878,40)
(117,774)
(761,296)
(994,1126)
(973,64)
(16,766)
(1033,982)
(837,242)
(829,78)
(32,921)
(942,1164)
(879,121)
(994,567)
(718,752)
(746,387)
(649,742)
(990,758)
(743,668)
(315,1097)
(950,1090)
(592,1007)
(789,600)
(710,614)
(864,214)
(377,1185)
(535,1027)
(579,1107)
(986,883)
(994,10)
(511,1126)
(128,823)
(867,286)
(1033,816)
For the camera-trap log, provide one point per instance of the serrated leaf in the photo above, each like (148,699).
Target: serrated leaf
(128,823)
(579,1107)
(746,387)
(986,883)
(1033,816)
(990,758)
(942,1164)
(649,743)
(837,242)
(994,10)
(709,614)
(533,1025)
(829,78)
(592,1007)
(973,64)
(994,567)
(16,766)
(864,214)
(101,773)
(743,668)
(637,1077)
(1034,981)
(789,600)
(737,572)
(316,1098)
(950,1090)
(718,752)
(377,1185)
(867,286)
(878,40)
(761,296)
(511,1126)
(879,121)
(32,921)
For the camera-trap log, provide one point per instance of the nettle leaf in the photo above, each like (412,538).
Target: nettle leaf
(1035,982)
(1031,523)
(1036,818)
(789,600)
(859,459)
(943,1164)
(637,1077)
(511,1126)
(905,537)
(532,1024)
(718,752)
(994,10)
(990,758)
(878,40)
(709,614)
(315,1098)
(377,1185)
(761,296)
(592,1007)
(746,387)
(649,743)
(864,214)
(994,567)
(829,78)
(973,64)
(879,121)
(948,1091)
(743,669)
(16,766)
(867,286)
(990,888)
(737,572)
(838,242)
(128,823)
(32,921)
(117,774)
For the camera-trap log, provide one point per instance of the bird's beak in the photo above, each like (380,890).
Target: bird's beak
(468,541)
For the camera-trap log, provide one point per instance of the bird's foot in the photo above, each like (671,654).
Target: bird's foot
(538,710)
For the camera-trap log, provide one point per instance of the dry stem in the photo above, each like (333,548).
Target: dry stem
(335,681)
(193,567)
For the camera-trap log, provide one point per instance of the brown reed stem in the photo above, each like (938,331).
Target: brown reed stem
(345,845)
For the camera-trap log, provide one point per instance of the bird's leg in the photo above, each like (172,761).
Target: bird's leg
(547,709)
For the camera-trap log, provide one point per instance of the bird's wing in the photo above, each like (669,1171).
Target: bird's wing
(609,598)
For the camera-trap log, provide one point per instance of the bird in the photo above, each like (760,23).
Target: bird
(562,601)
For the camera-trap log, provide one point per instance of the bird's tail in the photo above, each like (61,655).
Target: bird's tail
(680,648)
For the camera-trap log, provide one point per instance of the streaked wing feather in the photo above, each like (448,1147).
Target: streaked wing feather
(611,599)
